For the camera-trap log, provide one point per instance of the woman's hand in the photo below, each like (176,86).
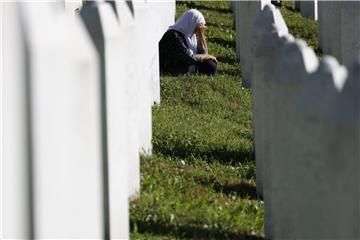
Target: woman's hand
(205,57)
(200,30)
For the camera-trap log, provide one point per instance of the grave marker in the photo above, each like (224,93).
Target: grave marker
(309,9)
(246,14)
(16,171)
(65,120)
(296,62)
(102,24)
(269,27)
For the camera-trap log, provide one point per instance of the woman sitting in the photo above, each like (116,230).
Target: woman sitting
(183,48)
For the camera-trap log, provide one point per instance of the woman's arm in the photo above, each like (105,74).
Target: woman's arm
(201,41)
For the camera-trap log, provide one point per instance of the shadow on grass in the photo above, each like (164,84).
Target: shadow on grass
(223,42)
(231,72)
(243,190)
(228,60)
(200,6)
(240,188)
(187,232)
(220,155)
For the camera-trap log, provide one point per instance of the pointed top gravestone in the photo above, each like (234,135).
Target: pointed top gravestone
(103,26)
(296,63)
(65,124)
(326,157)
(133,75)
(16,198)
(246,12)
(268,28)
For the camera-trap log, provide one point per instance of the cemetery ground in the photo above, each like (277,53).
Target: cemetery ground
(200,181)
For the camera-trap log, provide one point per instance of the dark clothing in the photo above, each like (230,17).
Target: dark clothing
(176,57)
(207,67)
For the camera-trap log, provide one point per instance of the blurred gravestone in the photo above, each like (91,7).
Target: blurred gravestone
(16,171)
(327,159)
(162,14)
(246,12)
(133,75)
(150,71)
(329,27)
(309,9)
(65,124)
(350,32)
(101,23)
(73,5)
(296,62)
(339,29)
(269,27)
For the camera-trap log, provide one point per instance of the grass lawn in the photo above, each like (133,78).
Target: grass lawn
(200,181)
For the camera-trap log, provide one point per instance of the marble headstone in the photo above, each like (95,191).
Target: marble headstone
(329,27)
(246,12)
(150,73)
(309,9)
(16,171)
(65,124)
(127,27)
(102,24)
(294,66)
(327,159)
(269,27)
(350,32)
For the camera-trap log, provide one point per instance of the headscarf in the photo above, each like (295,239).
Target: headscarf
(186,24)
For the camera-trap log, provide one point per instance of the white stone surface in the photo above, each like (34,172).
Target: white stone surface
(339,29)
(327,162)
(103,26)
(15,155)
(65,125)
(309,9)
(246,12)
(162,14)
(293,68)
(269,27)
(72,6)
(329,27)
(149,76)
(236,13)
(350,32)
(133,75)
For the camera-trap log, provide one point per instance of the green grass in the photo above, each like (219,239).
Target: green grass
(200,181)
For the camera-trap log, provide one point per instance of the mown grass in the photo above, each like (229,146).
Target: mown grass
(200,181)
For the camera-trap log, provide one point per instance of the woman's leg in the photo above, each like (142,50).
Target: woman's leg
(207,67)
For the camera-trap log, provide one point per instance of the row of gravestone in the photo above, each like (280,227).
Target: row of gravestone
(338,29)
(306,116)
(77,91)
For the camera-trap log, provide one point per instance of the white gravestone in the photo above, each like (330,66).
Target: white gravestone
(164,12)
(309,9)
(295,64)
(339,29)
(133,75)
(72,6)
(65,109)
(246,15)
(102,24)
(150,73)
(269,27)
(329,27)
(16,199)
(350,32)
(236,15)
(327,158)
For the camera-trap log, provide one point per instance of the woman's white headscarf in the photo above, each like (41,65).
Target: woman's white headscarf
(186,24)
